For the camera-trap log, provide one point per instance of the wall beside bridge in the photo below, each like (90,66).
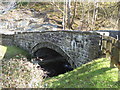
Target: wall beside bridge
(6,39)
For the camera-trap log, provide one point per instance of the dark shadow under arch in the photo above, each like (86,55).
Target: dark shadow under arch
(52,58)
(53,47)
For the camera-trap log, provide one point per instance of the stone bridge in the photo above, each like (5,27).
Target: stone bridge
(73,47)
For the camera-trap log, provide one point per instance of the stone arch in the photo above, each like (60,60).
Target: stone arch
(54,47)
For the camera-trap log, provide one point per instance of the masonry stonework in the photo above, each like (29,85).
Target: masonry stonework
(77,47)
(6,39)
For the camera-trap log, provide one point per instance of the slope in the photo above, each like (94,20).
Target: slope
(95,74)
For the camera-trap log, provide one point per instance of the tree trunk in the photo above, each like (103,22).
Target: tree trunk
(74,13)
(68,3)
(95,12)
(82,17)
(63,23)
(88,12)
(119,75)
(119,16)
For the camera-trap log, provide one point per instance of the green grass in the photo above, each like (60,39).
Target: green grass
(95,74)
(11,51)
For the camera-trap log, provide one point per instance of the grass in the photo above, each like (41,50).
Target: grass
(95,74)
(8,52)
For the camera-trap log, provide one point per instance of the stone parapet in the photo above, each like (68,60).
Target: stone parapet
(6,39)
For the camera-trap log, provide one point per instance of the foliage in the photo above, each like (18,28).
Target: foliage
(95,74)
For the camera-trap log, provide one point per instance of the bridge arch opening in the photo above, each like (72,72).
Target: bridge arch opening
(53,60)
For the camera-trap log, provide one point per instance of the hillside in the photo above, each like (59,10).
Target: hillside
(95,74)
(39,16)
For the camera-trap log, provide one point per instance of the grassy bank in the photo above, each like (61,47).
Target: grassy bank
(95,74)
(8,52)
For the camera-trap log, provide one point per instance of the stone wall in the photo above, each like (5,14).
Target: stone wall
(77,47)
(80,47)
(6,39)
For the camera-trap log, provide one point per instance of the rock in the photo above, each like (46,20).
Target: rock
(25,20)
(6,6)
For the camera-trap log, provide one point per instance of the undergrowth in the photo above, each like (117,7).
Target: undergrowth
(20,73)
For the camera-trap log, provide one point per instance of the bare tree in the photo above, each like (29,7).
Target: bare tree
(118,15)
(88,18)
(64,15)
(68,2)
(95,13)
(67,14)
(74,14)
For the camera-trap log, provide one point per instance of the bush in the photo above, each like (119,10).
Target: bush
(20,73)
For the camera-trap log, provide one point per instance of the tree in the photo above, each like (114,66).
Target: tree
(68,2)
(118,15)
(95,13)
(74,14)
